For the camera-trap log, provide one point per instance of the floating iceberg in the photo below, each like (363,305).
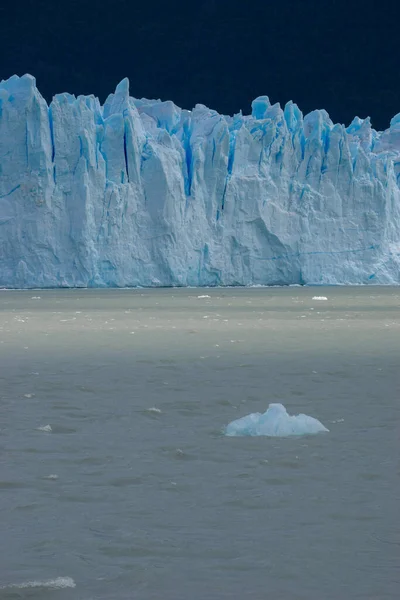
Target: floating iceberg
(143,193)
(46,428)
(275,422)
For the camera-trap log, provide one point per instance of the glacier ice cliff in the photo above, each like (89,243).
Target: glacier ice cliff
(142,193)
(275,422)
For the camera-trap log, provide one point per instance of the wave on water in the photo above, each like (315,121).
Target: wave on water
(58,583)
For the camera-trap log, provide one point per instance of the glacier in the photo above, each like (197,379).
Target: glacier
(143,193)
(275,422)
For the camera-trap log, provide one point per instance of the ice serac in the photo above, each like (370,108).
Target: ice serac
(142,193)
(275,422)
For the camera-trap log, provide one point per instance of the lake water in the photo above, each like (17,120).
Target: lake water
(133,492)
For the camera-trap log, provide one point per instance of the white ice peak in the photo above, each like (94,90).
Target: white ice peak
(140,192)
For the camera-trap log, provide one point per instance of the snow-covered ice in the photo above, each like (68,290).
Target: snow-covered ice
(143,193)
(275,422)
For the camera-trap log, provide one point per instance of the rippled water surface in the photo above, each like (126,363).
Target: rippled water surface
(117,483)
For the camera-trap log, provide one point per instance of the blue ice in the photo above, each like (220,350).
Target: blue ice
(275,422)
(144,193)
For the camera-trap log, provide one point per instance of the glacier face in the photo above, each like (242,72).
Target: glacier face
(142,193)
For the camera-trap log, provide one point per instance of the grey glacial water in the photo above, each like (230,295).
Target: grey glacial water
(116,482)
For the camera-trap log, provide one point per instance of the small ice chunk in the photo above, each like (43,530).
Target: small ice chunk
(320,298)
(58,583)
(274,422)
(35,298)
(45,428)
(204,296)
(51,476)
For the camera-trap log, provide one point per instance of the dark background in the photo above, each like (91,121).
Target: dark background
(341,56)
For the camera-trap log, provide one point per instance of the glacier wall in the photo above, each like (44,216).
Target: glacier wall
(142,193)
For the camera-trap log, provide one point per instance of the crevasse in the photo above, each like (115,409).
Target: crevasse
(142,193)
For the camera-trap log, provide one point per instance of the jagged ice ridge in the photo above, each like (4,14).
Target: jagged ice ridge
(142,193)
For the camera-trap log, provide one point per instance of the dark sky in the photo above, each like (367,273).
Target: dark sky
(319,53)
